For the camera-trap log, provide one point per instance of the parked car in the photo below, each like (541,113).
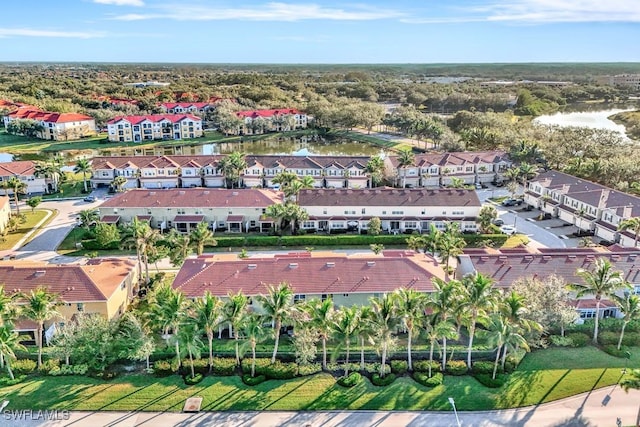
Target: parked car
(479,186)
(90,199)
(512,202)
(508,229)
(498,183)
(497,222)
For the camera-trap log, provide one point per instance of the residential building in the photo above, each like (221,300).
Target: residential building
(629,81)
(5,213)
(589,206)
(262,121)
(25,171)
(104,286)
(400,210)
(439,169)
(55,126)
(346,279)
(505,266)
(184,209)
(186,107)
(154,127)
(151,83)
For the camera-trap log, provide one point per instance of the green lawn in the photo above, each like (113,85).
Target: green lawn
(529,385)
(33,218)
(576,358)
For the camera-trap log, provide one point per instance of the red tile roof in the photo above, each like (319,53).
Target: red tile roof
(23,167)
(110,219)
(308,274)
(267,113)
(155,118)
(188,218)
(171,105)
(48,117)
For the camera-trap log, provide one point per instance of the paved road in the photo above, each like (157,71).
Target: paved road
(598,408)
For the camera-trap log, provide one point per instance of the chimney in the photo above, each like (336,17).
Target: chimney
(604,196)
(627,212)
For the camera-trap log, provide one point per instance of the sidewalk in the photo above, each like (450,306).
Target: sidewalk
(27,236)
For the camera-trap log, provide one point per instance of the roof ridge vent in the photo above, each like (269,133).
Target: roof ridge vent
(330,264)
(252,266)
(293,265)
(40,273)
(371,263)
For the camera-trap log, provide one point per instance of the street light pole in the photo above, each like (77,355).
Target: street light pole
(453,404)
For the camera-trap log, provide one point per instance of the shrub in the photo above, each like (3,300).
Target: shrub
(189,380)
(399,367)
(251,381)
(488,381)
(48,365)
(163,368)
(225,242)
(374,368)
(200,366)
(64,370)
(23,366)
(424,378)
(282,370)
(223,366)
(423,366)
(6,381)
(631,339)
(456,367)
(560,341)
(310,369)
(484,367)
(261,365)
(379,381)
(608,338)
(579,339)
(262,241)
(612,349)
(351,380)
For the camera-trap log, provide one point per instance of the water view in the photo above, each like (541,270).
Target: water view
(590,119)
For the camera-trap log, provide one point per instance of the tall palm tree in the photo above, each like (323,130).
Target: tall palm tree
(140,235)
(83,166)
(49,170)
(8,307)
(254,332)
(9,344)
(375,169)
(364,329)
(384,321)
(40,306)
(601,281)
(168,308)
(179,247)
(118,183)
(235,312)
(17,187)
(405,159)
(630,308)
(632,381)
(411,308)
(496,335)
(88,217)
(207,312)
(480,297)
(527,172)
(451,244)
(321,315)
(285,179)
(201,236)
(345,325)
(277,304)
(441,302)
(437,329)
(232,167)
(632,224)
(189,337)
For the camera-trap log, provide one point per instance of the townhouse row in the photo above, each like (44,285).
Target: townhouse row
(25,171)
(589,206)
(400,210)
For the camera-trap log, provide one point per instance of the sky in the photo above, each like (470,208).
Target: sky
(284,31)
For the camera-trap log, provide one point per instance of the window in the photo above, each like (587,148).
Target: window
(364,211)
(411,224)
(80,306)
(299,298)
(338,225)
(349,212)
(345,295)
(397,212)
(457,213)
(308,224)
(587,314)
(323,297)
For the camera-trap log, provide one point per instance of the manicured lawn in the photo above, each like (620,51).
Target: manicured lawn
(576,358)
(516,240)
(33,218)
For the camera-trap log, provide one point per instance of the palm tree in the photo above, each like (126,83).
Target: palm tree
(277,305)
(630,308)
(8,307)
(496,335)
(201,236)
(232,167)
(479,298)
(207,312)
(441,329)
(601,281)
(40,306)
(632,382)
(284,179)
(632,224)
(88,217)
(375,169)
(364,329)
(321,315)
(450,244)
(49,170)
(18,187)
(405,158)
(140,235)
(118,182)
(411,306)
(168,308)
(9,344)
(527,171)
(234,312)
(441,302)
(83,166)
(189,337)
(254,332)
(487,215)
(345,325)
(179,247)
(384,321)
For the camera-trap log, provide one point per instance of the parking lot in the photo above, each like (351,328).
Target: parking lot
(555,226)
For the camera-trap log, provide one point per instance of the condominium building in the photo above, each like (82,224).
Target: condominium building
(279,120)
(55,126)
(154,127)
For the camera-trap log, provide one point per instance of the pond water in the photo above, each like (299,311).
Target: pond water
(590,119)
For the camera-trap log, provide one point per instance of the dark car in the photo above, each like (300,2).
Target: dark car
(512,202)
(90,199)
(497,222)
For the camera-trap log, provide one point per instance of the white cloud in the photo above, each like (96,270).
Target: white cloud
(29,32)
(267,12)
(121,2)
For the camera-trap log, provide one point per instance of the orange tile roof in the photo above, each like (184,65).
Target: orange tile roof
(23,167)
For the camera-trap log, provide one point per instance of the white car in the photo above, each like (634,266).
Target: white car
(508,229)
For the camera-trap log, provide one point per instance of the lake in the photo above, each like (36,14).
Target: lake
(590,119)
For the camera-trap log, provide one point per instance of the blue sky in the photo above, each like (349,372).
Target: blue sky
(370,31)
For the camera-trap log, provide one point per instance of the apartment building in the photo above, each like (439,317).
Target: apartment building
(346,279)
(439,169)
(186,107)
(25,171)
(400,210)
(183,209)
(587,205)
(55,126)
(279,120)
(154,127)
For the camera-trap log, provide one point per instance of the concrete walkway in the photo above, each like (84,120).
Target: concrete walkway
(597,408)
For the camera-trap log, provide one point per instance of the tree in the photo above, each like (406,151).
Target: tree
(118,183)
(480,297)
(50,170)
(321,315)
(411,307)
(201,236)
(305,338)
(94,342)
(9,344)
(374,228)
(437,329)
(40,306)
(440,303)
(630,309)
(375,169)
(34,202)
(168,308)
(254,333)
(384,320)
(345,325)
(487,215)
(88,217)
(496,335)
(179,247)
(106,235)
(527,171)
(277,304)
(189,338)
(8,307)
(139,235)
(234,312)
(17,187)
(232,166)
(364,329)
(405,159)
(632,382)
(83,166)
(429,243)
(376,248)
(451,244)
(207,312)
(601,281)
(632,224)
(133,341)
(284,179)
